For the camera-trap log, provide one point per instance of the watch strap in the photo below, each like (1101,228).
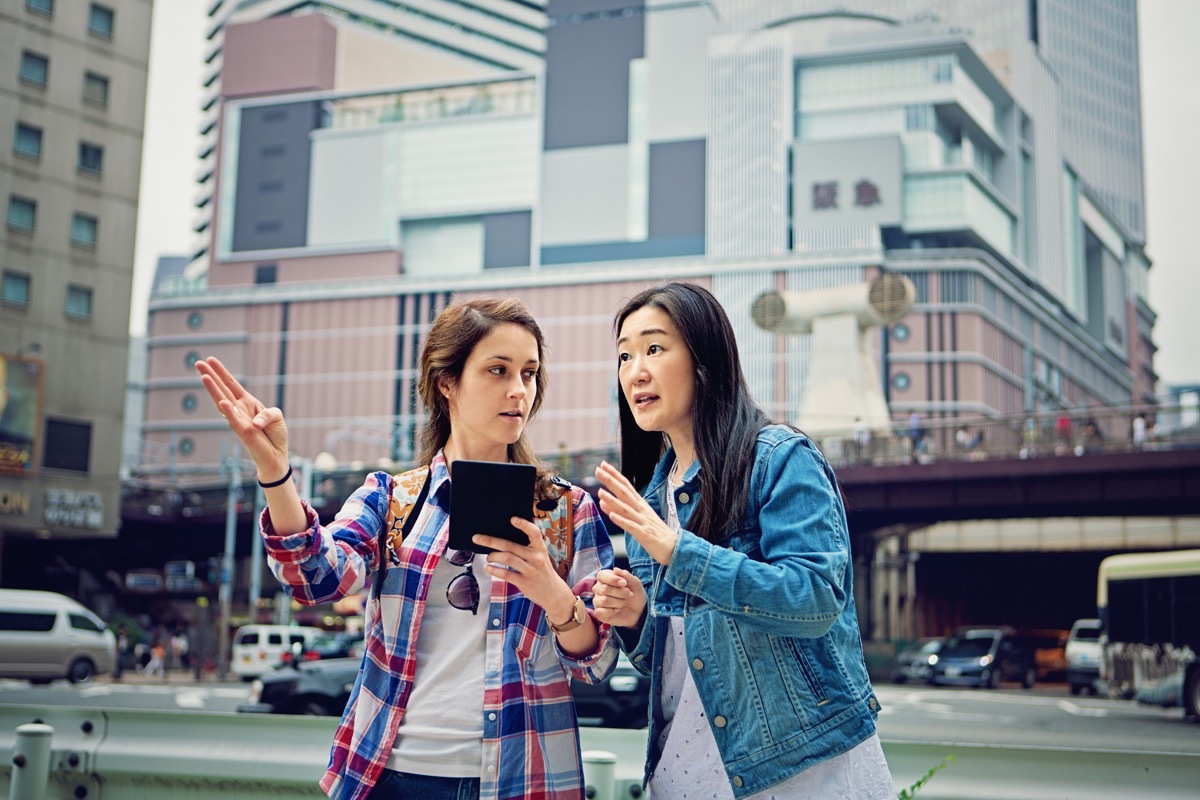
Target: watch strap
(578,615)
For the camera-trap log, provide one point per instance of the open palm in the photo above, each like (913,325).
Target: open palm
(261,430)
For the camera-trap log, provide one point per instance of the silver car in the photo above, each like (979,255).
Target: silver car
(45,636)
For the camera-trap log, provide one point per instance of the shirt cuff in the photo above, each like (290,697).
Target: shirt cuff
(293,546)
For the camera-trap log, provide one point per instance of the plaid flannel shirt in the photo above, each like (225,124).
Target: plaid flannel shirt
(530,730)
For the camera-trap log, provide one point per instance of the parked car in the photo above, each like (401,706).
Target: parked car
(322,687)
(913,663)
(326,645)
(1083,656)
(620,701)
(1049,652)
(984,657)
(316,688)
(258,648)
(45,636)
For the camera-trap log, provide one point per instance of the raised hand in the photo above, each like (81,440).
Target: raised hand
(620,598)
(629,511)
(261,430)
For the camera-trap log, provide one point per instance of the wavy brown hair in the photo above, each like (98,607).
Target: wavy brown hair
(448,344)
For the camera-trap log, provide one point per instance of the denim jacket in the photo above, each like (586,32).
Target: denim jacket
(770,628)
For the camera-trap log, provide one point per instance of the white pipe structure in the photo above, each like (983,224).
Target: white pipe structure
(843,391)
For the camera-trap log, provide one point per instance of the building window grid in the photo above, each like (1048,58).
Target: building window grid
(35,69)
(42,7)
(27,141)
(101,21)
(14,288)
(79,303)
(22,214)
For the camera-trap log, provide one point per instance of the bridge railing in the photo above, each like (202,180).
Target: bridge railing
(1025,436)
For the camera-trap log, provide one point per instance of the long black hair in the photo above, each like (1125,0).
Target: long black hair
(725,419)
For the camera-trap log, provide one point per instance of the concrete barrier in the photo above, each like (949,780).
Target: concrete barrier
(125,754)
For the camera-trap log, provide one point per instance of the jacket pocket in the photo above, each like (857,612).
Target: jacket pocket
(800,677)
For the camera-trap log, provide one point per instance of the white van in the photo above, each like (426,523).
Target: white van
(258,648)
(44,636)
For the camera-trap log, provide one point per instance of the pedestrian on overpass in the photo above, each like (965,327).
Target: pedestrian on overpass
(478,706)
(739,604)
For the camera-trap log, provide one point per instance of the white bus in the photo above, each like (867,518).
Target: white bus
(1149,606)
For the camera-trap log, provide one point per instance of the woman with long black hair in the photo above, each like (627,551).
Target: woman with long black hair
(739,604)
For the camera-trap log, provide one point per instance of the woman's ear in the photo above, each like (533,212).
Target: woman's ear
(444,384)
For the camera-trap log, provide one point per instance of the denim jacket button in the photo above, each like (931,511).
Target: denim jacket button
(683,498)
(697,663)
(737,781)
(719,721)
(873,703)
(638,658)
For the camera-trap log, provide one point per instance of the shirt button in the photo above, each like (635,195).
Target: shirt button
(496,623)
(719,721)
(684,498)
(697,663)
(737,781)
(491,768)
(492,716)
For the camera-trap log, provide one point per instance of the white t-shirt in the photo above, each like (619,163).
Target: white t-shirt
(442,730)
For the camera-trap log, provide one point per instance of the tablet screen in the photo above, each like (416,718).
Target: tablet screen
(484,495)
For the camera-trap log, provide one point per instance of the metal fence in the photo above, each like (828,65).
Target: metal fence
(55,753)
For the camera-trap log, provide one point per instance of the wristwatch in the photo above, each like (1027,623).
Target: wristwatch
(578,615)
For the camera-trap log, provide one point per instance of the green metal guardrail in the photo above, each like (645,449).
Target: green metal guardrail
(118,754)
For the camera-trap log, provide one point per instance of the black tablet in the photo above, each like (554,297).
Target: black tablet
(484,495)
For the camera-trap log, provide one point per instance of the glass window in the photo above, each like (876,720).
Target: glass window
(35,68)
(27,621)
(27,141)
(68,445)
(95,89)
(901,381)
(188,402)
(195,320)
(22,214)
(264,273)
(187,446)
(85,230)
(100,21)
(91,158)
(79,303)
(191,358)
(82,622)
(14,288)
(45,7)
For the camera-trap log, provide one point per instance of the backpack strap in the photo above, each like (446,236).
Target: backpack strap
(558,527)
(409,491)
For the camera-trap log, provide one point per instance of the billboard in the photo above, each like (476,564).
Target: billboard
(20,412)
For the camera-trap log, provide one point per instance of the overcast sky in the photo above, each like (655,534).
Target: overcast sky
(1171,118)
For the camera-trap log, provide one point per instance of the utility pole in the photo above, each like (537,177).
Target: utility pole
(256,555)
(225,593)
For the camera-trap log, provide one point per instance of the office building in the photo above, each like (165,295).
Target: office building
(74,82)
(744,148)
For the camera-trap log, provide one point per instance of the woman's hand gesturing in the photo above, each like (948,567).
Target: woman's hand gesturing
(260,429)
(629,511)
